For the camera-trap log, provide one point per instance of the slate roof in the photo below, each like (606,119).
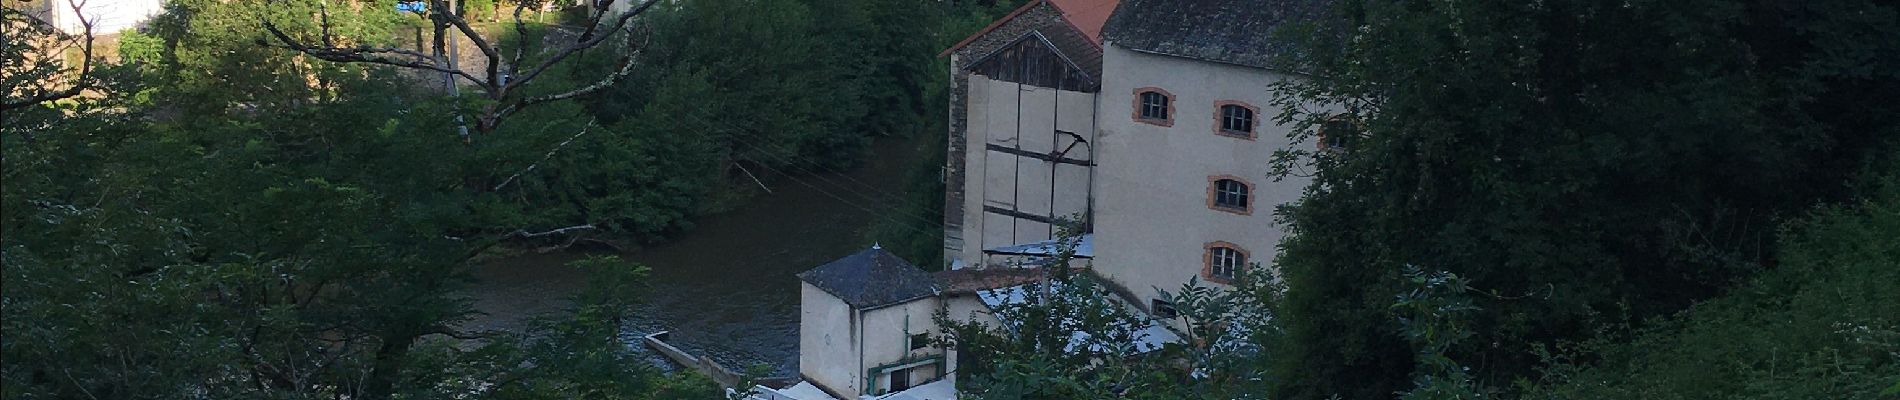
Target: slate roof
(871,278)
(1228,31)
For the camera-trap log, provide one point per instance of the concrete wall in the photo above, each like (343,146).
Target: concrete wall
(827,341)
(1152,213)
(835,348)
(887,340)
(1026,118)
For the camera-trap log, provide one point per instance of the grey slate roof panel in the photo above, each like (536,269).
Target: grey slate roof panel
(871,278)
(1228,31)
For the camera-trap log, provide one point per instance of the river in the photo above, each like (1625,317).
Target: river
(726,288)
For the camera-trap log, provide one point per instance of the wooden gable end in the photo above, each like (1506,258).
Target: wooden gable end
(1034,60)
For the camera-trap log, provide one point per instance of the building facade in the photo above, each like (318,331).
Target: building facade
(1021,162)
(1186,141)
(1173,164)
(867,322)
(1144,126)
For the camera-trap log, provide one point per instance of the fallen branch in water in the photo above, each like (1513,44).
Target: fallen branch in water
(525,234)
(544,158)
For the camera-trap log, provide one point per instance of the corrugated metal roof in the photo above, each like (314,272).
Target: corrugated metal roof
(1084,248)
(871,278)
(1150,336)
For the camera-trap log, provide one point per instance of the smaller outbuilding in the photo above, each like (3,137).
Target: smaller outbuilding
(865,326)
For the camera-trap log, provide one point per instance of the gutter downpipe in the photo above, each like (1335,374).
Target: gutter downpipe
(868,380)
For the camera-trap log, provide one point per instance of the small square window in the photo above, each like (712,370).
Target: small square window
(1162,309)
(1225,262)
(919,341)
(1337,134)
(1154,105)
(1231,194)
(1236,119)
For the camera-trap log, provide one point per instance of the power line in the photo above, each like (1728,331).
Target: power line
(898,210)
(815,175)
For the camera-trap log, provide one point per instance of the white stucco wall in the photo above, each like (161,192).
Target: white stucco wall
(887,339)
(964,307)
(827,340)
(1152,212)
(106,16)
(1014,115)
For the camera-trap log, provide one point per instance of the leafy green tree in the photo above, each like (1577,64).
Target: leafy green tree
(1824,323)
(1585,165)
(226,221)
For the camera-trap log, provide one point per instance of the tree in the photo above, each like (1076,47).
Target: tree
(226,221)
(1586,166)
(35,68)
(1073,339)
(1823,324)
(502,78)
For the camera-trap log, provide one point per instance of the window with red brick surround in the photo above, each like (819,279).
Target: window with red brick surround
(1236,119)
(1153,106)
(1223,262)
(1230,194)
(1336,134)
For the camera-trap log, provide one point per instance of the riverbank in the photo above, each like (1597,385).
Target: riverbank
(726,288)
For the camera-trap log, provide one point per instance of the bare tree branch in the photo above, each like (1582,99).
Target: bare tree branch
(360,54)
(586,40)
(40,91)
(626,68)
(545,158)
(526,234)
(495,85)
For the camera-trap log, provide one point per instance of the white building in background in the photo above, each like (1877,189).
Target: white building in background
(1147,121)
(1143,125)
(107,16)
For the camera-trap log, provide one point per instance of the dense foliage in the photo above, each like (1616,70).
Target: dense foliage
(1571,199)
(226,219)
(1585,165)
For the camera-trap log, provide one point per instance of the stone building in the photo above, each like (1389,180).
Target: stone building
(1144,126)
(1022,124)
(1147,121)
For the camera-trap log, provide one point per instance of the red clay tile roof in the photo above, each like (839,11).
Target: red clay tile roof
(1087,16)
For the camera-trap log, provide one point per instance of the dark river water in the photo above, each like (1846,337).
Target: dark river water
(726,288)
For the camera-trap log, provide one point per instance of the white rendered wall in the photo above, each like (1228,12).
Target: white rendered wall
(827,341)
(106,16)
(1153,219)
(887,339)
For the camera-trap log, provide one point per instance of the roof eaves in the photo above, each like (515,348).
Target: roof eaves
(933,293)
(1037,35)
(1223,62)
